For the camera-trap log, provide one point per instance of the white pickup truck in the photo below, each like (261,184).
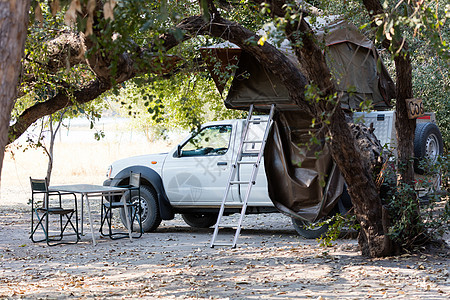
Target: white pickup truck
(192,177)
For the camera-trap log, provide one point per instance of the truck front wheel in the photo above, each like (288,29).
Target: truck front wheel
(200,220)
(149,209)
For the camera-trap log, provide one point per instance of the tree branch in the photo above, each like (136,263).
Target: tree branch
(60,101)
(270,57)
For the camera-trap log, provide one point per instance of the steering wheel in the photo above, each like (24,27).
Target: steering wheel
(207,150)
(222,150)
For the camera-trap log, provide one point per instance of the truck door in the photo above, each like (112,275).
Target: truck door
(259,195)
(196,173)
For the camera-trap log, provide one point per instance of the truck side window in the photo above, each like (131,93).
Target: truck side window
(212,140)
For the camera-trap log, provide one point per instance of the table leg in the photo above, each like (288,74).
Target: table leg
(90,219)
(82,214)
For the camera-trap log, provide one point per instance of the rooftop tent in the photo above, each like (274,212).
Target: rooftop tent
(303,182)
(352,58)
(252,83)
(295,173)
(358,71)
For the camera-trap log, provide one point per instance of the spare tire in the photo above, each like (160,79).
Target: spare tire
(427,146)
(302,228)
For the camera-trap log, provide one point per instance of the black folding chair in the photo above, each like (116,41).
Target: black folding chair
(133,204)
(51,204)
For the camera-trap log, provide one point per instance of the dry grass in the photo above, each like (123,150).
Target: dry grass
(74,162)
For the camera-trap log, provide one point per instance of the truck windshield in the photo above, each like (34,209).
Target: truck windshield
(211,140)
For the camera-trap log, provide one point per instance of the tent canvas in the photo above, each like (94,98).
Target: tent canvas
(301,183)
(359,73)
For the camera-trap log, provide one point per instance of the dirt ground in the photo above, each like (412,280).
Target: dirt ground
(176,262)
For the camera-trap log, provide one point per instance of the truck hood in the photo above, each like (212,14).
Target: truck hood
(153,161)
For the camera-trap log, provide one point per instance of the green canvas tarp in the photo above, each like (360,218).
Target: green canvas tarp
(352,58)
(303,181)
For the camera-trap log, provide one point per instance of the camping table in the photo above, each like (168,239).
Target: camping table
(91,190)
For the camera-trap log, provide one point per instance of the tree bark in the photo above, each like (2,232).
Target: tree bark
(405,127)
(373,240)
(369,211)
(192,26)
(13,32)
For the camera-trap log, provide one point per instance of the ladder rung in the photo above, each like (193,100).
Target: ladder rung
(228,226)
(233,204)
(224,244)
(253,142)
(242,182)
(258,121)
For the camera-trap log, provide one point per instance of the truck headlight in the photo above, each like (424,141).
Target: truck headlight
(108,172)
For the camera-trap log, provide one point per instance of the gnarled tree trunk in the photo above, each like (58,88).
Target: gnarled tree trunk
(13,32)
(373,238)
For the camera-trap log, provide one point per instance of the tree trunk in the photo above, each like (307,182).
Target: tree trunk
(373,240)
(50,148)
(404,126)
(13,32)
(53,132)
(369,211)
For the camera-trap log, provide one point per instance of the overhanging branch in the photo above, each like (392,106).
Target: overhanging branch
(269,57)
(60,101)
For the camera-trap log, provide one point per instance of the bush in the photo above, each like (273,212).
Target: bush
(420,213)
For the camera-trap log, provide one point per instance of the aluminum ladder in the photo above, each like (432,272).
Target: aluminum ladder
(234,178)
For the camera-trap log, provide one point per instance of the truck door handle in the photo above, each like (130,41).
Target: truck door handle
(222,163)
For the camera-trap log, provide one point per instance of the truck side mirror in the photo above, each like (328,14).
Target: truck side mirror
(179,151)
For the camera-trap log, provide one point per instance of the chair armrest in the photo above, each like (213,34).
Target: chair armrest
(58,193)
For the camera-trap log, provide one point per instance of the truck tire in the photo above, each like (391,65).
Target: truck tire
(427,146)
(200,220)
(150,210)
(301,228)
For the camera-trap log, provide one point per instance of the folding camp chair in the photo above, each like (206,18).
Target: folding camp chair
(133,204)
(51,204)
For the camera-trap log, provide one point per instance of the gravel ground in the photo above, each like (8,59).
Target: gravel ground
(176,262)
